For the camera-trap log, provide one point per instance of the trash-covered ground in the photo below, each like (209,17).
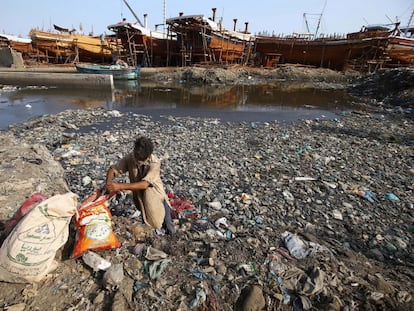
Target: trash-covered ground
(388,87)
(339,190)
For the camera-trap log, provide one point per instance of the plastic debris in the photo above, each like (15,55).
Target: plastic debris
(199,299)
(200,275)
(156,268)
(296,246)
(221,223)
(392,197)
(155,254)
(95,261)
(248,268)
(113,277)
(367,195)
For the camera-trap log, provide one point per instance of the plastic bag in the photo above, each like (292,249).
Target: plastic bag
(296,246)
(94,225)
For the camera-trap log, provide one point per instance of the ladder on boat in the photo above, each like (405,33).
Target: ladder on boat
(245,57)
(136,49)
(208,53)
(186,53)
(147,58)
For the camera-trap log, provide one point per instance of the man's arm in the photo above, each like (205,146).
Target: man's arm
(115,187)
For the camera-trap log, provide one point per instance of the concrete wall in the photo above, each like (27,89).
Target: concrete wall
(6,58)
(10,58)
(70,80)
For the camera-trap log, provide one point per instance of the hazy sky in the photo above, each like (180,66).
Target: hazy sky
(17,17)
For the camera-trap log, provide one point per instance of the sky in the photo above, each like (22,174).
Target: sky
(17,17)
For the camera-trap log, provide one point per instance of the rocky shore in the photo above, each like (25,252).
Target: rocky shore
(344,186)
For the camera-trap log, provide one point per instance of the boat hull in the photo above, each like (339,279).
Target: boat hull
(335,54)
(146,47)
(400,50)
(201,40)
(227,50)
(69,47)
(118,72)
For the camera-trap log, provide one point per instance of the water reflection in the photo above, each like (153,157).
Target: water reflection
(273,101)
(80,98)
(239,97)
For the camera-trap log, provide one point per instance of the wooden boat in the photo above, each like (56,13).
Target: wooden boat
(399,49)
(332,52)
(22,45)
(118,71)
(368,49)
(202,40)
(144,47)
(69,46)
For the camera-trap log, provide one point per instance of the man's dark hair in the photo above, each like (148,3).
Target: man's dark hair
(143,148)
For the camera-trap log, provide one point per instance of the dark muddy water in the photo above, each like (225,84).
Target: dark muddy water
(258,103)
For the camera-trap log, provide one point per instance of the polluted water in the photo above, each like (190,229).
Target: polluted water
(238,103)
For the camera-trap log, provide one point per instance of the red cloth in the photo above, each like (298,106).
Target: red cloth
(26,207)
(181,207)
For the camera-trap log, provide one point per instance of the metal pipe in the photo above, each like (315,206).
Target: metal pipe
(214,14)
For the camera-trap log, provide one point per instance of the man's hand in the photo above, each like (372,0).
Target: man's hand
(113,187)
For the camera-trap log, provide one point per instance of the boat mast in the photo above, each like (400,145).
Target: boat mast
(164,19)
(306,23)
(133,13)
(319,21)
(409,23)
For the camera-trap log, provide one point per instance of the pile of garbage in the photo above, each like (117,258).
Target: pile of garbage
(315,215)
(388,87)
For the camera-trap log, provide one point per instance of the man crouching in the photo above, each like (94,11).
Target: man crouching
(149,195)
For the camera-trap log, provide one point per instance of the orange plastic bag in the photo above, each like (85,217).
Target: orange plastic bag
(94,225)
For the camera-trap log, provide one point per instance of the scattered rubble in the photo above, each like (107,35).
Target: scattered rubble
(388,87)
(340,189)
(25,169)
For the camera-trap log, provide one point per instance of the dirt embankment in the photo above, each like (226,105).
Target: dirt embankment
(248,75)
